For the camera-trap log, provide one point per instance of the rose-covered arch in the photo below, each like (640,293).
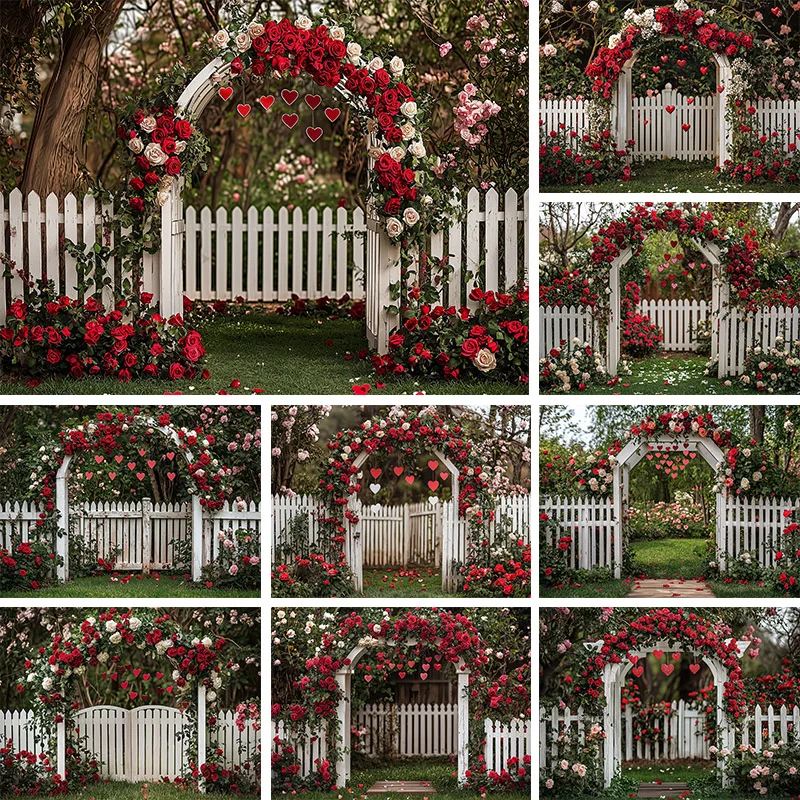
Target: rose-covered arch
(410,643)
(404,203)
(732,255)
(197,664)
(409,433)
(103,437)
(661,631)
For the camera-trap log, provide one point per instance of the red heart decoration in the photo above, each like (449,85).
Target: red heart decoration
(676,656)
(721,88)
(690,100)
(131,465)
(444,475)
(684,48)
(133,695)
(244,109)
(426,667)
(632,659)
(112,475)
(289,95)
(89,475)
(649,456)
(159,675)
(704,70)
(142,452)
(433,485)
(146,676)
(118,459)
(137,672)
(169,689)
(667,669)
(170,455)
(669,109)
(664,59)
(225,92)
(658,653)
(114,676)
(364,387)
(424,676)
(432,465)
(312,100)
(694,668)
(99,459)
(140,475)
(266,101)
(151,463)
(368,678)
(686,126)
(376,472)
(401,674)
(409,479)
(437,667)
(171,476)
(290,120)
(656,70)
(332,114)
(681,62)
(411,664)
(637,671)
(313,133)
(125,684)
(399,471)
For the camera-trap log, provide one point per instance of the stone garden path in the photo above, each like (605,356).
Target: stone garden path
(401,787)
(662,789)
(669,587)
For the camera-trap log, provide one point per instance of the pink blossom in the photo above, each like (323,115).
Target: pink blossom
(445,48)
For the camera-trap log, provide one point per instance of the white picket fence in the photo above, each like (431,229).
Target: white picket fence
(678,320)
(591,524)
(754,524)
(746,329)
(141,534)
(265,254)
(682,731)
(415,729)
(559,324)
(309,750)
(658,133)
(146,743)
(507,740)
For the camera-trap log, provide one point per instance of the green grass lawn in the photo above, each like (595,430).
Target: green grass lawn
(599,589)
(115,790)
(138,586)
(670,558)
(281,355)
(421,582)
(674,176)
(675,373)
(723,589)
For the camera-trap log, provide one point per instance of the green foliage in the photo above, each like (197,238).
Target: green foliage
(238,563)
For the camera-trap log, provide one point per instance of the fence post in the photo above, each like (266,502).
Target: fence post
(669,144)
(61,748)
(201,734)
(62,510)
(463,727)
(147,534)
(197,538)
(406,535)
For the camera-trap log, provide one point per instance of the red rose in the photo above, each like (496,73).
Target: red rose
(394,135)
(337,49)
(168,145)
(183,128)
(130,360)
(392,205)
(258,67)
(237,66)
(158,135)
(53,356)
(142,162)
(193,339)
(137,183)
(147,297)
(151,179)
(176,372)
(396,340)
(124,376)
(152,370)
(138,116)
(172,166)
(470,348)
(156,349)
(136,203)
(194,352)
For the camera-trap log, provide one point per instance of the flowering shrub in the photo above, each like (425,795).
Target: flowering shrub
(345,307)
(572,287)
(640,336)
(238,563)
(773,369)
(504,569)
(668,521)
(566,369)
(567,158)
(578,770)
(51,335)
(312,576)
(489,342)
(28,565)
(772,772)
(554,553)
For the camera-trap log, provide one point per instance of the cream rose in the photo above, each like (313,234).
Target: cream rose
(408,131)
(134,623)
(148,124)
(336,33)
(485,360)
(162,198)
(410,216)
(397,153)
(180,146)
(375,64)
(136,145)
(417,149)
(47,684)
(397,65)
(220,39)
(111,626)
(242,42)
(303,23)
(408,109)
(354,52)
(255,29)
(116,638)
(154,154)
(376,152)
(394,227)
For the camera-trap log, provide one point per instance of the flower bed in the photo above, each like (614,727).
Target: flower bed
(667,521)
(567,158)
(571,367)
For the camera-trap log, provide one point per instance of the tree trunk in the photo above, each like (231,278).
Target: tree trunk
(57,147)
(757,424)
(785,213)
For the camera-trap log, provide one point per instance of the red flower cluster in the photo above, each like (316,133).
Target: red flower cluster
(640,337)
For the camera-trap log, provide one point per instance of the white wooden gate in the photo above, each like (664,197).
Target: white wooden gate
(678,320)
(425,730)
(592,526)
(507,740)
(745,330)
(753,524)
(565,324)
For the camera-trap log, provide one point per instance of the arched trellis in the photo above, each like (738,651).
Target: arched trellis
(614,679)
(621,100)
(382,256)
(62,509)
(355,539)
(637,449)
(720,301)
(344,680)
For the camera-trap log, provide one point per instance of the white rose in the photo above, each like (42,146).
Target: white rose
(375,64)
(255,29)
(154,154)
(243,42)
(136,145)
(336,33)
(207,641)
(211,697)
(47,684)
(410,217)
(408,131)
(148,124)
(394,227)
(162,198)
(408,109)
(397,65)
(427,200)
(397,153)
(417,149)
(303,23)
(111,626)
(103,657)
(220,39)
(376,152)
(485,360)
(134,623)
(354,52)
(180,146)
(116,638)
(176,673)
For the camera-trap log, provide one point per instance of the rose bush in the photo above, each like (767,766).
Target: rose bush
(574,367)
(640,336)
(774,369)
(238,562)
(667,521)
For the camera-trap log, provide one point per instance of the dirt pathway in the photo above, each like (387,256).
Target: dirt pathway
(669,587)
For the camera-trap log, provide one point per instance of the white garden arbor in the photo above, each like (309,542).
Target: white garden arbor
(382,256)
(639,448)
(621,108)
(344,680)
(62,511)
(720,301)
(614,676)
(450,547)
